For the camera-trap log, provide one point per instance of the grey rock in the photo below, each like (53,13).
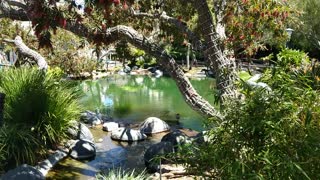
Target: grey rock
(202,137)
(176,138)
(80,131)
(23,172)
(92,118)
(153,125)
(45,166)
(85,133)
(159,149)
(110,126)
(127,134)
(73,130)
(83,150)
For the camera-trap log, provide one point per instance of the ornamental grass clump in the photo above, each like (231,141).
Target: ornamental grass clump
(120,174)
(37,113)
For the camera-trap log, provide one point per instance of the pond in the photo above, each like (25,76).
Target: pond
(135,98)
(130,99)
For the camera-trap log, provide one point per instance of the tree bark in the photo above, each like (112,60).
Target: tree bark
(27,52)
(223,67)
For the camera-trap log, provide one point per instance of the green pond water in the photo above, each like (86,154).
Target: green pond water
(135,98)
(131,99)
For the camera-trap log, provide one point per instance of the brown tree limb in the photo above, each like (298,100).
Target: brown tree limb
(27,52)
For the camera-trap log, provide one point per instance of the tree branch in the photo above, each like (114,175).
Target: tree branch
(17,13)
(195,40)
(27,52)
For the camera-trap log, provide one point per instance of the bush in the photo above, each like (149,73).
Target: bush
(37,113)
(289,57)
(269,135)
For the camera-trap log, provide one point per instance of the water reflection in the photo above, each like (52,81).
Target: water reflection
(134,98)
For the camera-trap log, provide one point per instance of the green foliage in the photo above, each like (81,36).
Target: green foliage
(288,57)
(120,174)
(37,113)
(268,135)
(55,72)
(244,75)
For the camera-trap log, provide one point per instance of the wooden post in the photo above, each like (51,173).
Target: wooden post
(2,96)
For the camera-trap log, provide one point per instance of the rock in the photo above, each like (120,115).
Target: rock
(73,129)
(159,149)
(110,126)
(23,172)
(176,138)
(92,118)
(80,131)
(83,150)
(158,73)
(202,138)
(45,166)
(153,125)
(127,134)
(85,133)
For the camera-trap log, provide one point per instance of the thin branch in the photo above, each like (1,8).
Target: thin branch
(195,40)
(17,4)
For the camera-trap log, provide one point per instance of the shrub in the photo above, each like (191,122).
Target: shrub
(37,113)
(269,135)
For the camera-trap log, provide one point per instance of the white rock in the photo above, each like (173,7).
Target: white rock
(127,134)
(153,125)
(110,126)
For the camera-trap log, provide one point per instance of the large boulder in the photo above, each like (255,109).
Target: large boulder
(80,131)
(153,125)
(176,138)
(127,134)
(23,172)
(83,150)
(110,126)
(156,150)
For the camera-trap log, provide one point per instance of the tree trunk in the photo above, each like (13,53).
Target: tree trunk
(223,67)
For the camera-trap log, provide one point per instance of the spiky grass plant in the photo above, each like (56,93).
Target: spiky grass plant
(37,113)
(120,174)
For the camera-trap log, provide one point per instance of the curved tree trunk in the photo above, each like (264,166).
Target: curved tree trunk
(223,67)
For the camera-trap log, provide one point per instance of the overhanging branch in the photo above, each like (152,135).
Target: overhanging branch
(24,50)
(195,40)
